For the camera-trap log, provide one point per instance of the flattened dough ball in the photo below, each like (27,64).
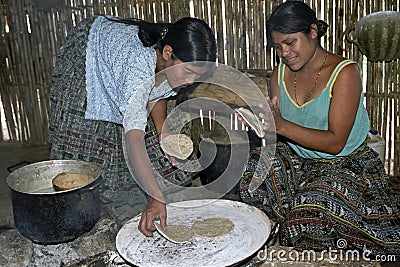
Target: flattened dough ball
(213,227)
(177,145)
(175,233)
(68,180)
(252,120)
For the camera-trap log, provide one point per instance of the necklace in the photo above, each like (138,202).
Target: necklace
(315,83)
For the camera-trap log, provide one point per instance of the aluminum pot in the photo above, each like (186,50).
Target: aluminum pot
(46,216)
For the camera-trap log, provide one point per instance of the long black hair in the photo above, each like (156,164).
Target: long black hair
(190,38)
(294,16)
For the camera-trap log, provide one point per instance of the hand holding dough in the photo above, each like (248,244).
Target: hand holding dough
(252,120)
(177,145)
(175,233)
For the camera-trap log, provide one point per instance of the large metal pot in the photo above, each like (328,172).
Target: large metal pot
(47,216)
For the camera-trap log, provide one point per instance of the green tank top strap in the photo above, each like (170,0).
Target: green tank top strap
(336,72)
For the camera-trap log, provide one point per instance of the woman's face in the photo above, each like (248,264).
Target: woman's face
(295,49)
(181,74)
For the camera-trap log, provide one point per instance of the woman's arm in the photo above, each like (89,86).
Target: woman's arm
(346,94)
(143,171)
(158,112)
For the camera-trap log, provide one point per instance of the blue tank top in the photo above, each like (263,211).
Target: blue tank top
(314,114)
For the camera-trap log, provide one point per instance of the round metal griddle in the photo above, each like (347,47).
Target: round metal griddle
(251,230)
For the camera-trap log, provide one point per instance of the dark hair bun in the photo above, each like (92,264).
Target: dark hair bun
(322,27)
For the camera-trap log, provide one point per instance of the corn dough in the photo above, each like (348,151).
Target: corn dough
(252,120)
(175,233)
(177,145)
(68,180)
(213,227)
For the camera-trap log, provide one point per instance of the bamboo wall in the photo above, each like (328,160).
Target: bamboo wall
(33,30)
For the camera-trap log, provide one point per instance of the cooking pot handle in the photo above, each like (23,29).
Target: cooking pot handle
(17,166)
(90,188)
(348,34)
(96,184)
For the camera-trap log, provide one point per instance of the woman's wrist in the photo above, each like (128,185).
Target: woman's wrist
(157,200)
(279,127)
(162,135)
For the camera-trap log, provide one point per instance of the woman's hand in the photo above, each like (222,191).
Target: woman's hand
(163,135)
(155,210)
(274,109)
(241,119)
(171,159)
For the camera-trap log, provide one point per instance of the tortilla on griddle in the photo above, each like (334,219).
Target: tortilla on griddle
(177,145)
(179,234)
(213,227)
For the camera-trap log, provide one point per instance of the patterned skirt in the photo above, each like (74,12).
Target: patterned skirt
(73,137)
(320,203)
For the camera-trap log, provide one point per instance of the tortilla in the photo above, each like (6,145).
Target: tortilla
(252,120)
(69,180)
(177,145)
(213,227)
(179,234)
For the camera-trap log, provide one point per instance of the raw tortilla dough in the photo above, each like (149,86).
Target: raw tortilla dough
(177,145)
(176,233)
(69,180)
(252,120)
(213,227)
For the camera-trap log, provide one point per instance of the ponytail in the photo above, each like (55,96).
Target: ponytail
(150,34)
(322,27)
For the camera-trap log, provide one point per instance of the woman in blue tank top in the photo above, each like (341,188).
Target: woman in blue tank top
(322,184)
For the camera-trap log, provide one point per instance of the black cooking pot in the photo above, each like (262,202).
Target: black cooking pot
(46,216)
